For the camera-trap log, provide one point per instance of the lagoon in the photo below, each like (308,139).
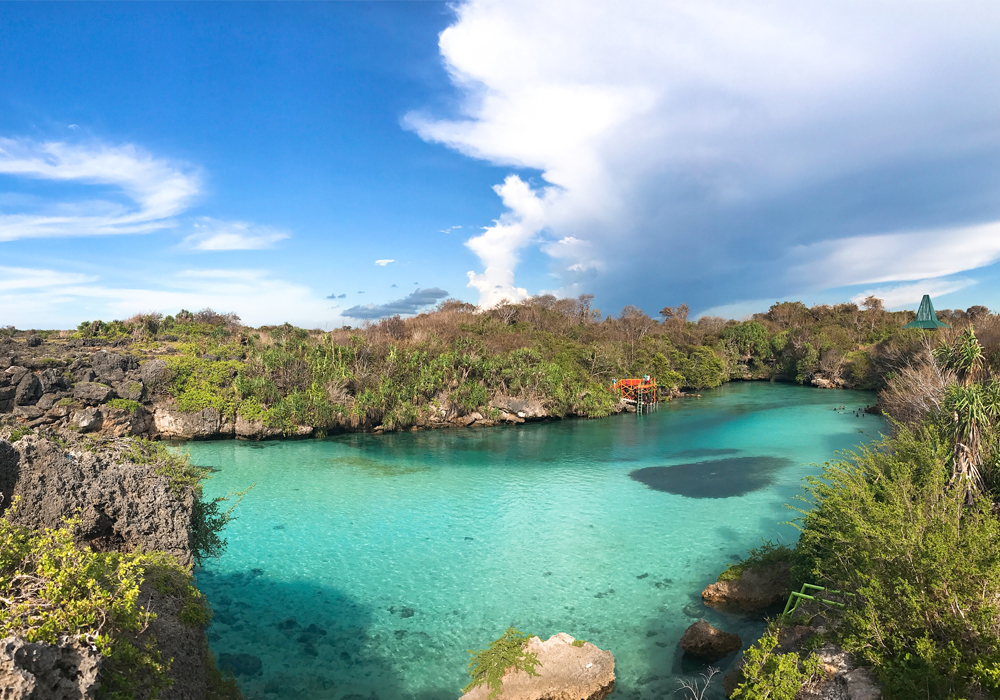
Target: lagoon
(363,566)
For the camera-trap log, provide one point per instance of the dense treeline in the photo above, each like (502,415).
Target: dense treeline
(559,351)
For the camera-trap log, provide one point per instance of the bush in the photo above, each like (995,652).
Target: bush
(771,676)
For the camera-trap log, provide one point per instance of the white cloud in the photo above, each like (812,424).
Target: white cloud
(213,235)
(65,299)
(907,295)
(384,262)
(894,257)
(723,133)
(156,189)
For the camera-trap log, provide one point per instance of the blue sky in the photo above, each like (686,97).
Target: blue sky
(301,161)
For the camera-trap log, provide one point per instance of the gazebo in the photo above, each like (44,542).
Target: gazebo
(926,317)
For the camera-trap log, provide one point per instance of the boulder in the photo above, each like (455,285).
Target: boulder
(92,393)
(7,398)
(29,390)
(52,381)
(28,412)
(523,408)
(254,429)
(47,401)
(206,423)
(565,672)
(129,389)
(707,643)
(756,589)
(86,420)
(111,367)
(37,671)
(33,340)
(16,374)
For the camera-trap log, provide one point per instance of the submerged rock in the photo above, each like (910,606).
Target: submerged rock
(565,672)
(241,664)
(38,671)
(708,643)
(755,589)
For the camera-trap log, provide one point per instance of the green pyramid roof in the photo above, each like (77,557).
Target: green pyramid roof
(926,317)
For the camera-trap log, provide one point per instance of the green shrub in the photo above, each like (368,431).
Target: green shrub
(489,665)
(770,676)
(125,405)
(925,567)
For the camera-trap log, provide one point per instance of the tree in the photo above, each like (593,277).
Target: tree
(675,313)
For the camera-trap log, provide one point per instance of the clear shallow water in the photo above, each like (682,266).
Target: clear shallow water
(404,550)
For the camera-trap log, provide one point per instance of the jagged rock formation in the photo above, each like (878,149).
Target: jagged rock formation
(707,643)
(122,505)
(755,589)
(565,672)
(37,671)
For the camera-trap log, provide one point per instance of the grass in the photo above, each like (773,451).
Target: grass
(768,554)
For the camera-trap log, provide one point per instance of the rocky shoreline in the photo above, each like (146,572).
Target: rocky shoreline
(89,389)
(117,498)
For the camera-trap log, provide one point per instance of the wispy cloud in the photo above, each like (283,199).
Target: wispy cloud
(910,294)
(410,304)
(214,235)
(64,299)
(384,262)
(157,189)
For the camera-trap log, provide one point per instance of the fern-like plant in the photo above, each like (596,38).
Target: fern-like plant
(489,665)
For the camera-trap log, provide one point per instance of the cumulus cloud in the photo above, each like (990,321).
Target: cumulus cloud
(153,190)
(711,139)
(410,304)
(66,298)
(214,235)
(384,262)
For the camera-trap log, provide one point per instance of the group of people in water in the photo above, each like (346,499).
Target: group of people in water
(858,412)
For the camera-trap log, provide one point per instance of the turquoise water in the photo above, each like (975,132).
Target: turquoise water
(364,566)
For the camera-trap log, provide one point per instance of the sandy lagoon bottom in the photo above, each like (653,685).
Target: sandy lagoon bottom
(364,567)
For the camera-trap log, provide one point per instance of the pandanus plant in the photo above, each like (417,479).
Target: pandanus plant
(974,405)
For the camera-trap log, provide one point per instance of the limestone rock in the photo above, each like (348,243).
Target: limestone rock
(565,672)
(708,643)
(756,589)
(523,408)
(37,671)
(111,367)
(121,422)
(33,340)
(123,506)
(29,390)
(92,393)
(87,420)
(254,429)
(206,423)
(154,374)
(52,381)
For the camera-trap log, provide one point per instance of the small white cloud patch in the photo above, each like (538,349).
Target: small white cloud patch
(384,262)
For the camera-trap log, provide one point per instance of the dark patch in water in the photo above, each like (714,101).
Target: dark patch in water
(279,527)
(641,576)
(719,478)
(705,452)
(469,538)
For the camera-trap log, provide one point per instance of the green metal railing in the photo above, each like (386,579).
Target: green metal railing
(797,597)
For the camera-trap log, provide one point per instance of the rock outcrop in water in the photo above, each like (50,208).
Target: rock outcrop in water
(707,643)
(755,589)
(565,672)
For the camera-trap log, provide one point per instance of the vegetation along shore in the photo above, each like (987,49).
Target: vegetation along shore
(204,375)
